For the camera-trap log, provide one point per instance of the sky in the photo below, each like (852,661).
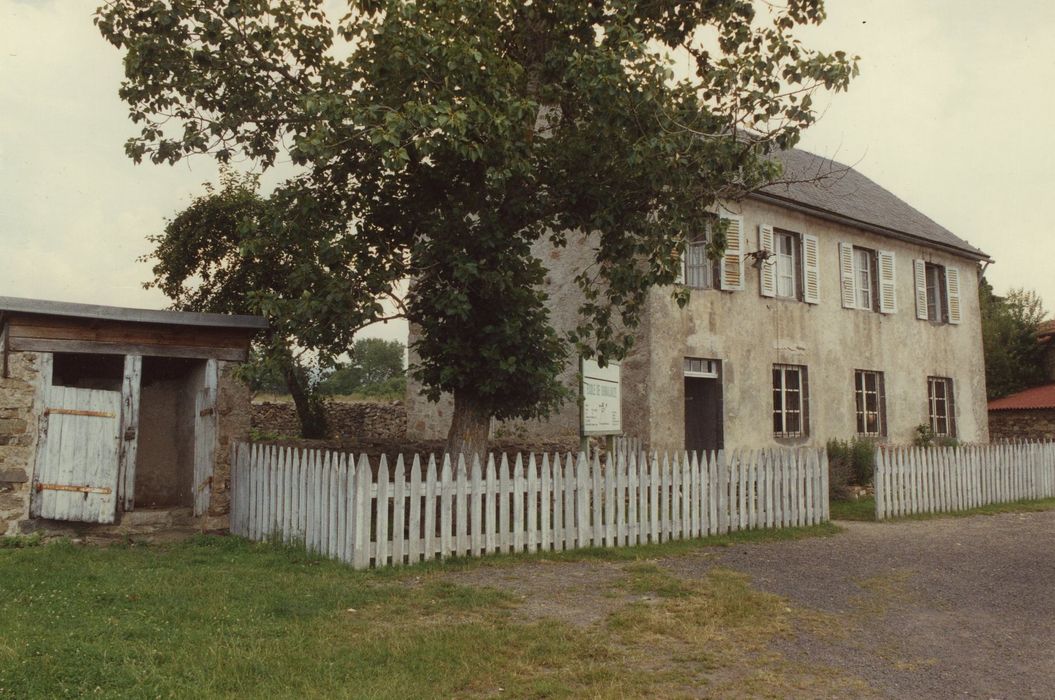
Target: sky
(949,113)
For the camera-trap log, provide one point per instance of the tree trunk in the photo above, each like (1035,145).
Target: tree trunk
(470,428)
(311,412)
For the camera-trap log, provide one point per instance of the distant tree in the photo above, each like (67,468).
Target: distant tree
(442,140)
(1013,358)
(372,364)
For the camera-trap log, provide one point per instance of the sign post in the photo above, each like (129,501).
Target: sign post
(601,401)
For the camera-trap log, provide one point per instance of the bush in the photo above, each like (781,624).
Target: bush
(925,437)
(850,462)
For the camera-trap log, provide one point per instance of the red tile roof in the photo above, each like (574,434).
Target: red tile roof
(1037,397)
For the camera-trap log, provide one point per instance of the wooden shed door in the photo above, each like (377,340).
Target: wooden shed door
(77,455)
(205,439)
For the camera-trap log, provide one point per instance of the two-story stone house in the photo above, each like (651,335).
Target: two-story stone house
(838,310)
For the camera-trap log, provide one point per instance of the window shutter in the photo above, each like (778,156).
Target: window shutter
(952,289)
(767,274)
(732,272)
(811,270)
(920,269)
(887,282)
(847,279)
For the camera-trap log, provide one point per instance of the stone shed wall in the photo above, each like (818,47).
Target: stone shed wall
(233,420)
(1022,425)
(18,436)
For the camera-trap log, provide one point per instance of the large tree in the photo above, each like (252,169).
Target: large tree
(1013,359)
(441,139)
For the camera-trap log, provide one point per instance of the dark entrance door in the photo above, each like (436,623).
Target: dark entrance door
(703,414)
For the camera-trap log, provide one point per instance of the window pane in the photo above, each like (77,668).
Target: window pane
(870,381)
(792,379)
(793,423)
(778,423)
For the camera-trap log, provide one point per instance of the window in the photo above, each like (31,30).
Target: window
(790,401)
(870,398)
(942,406)
(865,269)
(700,271)
(787,264)
(936,294)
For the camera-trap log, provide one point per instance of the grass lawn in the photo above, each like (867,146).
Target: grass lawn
(218,616)
(864,509)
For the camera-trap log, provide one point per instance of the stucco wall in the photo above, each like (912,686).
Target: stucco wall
(750,333)
(19,408)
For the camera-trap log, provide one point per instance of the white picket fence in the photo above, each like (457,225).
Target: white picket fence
(345,509)
(911,480)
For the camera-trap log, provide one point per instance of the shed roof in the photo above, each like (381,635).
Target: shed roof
(117,313)
(823,186)
(1039,397)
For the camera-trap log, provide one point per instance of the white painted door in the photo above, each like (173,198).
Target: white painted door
(78,455)
(205,439)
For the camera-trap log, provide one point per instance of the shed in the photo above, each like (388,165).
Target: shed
(108,411)
(1027,415)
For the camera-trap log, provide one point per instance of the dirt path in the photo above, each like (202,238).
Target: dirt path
(944,608)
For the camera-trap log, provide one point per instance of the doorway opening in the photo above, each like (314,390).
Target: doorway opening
(704,420)
(164,476)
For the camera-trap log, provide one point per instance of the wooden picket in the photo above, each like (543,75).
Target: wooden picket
(910,480)
(342,507)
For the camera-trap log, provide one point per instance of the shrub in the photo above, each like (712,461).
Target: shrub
(850,462)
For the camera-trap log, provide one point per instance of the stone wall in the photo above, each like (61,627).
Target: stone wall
(361,419)
(1022,425)
(18,434)
(233,420)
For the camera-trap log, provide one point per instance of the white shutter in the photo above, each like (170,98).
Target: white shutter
(920,269)
(847,278)
(767,275)
(952,289)
(732,272)
(887,282)
(811,269)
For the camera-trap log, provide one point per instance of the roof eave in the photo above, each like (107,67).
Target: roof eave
(43,307)
(972,254)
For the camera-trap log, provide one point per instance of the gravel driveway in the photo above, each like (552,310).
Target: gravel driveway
(943,608)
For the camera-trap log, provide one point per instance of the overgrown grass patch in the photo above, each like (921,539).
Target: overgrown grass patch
(863,509)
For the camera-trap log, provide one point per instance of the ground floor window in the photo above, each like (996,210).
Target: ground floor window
(870,398)
(942,406)
(790,401)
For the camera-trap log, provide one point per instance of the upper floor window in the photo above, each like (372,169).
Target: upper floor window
(870,399)
(790,401)
(867,278)
(788,264)
(937,292)
(701,272)
(865,269)
(942,406)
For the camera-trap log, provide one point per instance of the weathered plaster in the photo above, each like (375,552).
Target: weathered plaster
(749,333)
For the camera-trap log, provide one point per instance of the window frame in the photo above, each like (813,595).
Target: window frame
(709,270)
(795,240)
(872,288)
(781,412)
(947,400)
(938,309)
(861,411)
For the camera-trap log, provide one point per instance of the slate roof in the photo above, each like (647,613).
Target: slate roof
(1039,397)
(117,313)
(821,185)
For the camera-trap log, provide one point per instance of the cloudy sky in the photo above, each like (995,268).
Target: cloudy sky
(950,113)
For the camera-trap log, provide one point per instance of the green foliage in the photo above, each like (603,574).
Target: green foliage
(394,388)
(374,368)
(450,141)
(925,437)
(850,462)
(1013,359)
